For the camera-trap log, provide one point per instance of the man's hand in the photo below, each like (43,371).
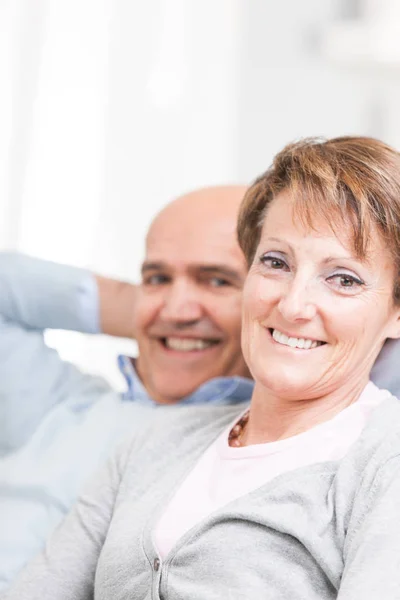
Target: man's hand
(117,305)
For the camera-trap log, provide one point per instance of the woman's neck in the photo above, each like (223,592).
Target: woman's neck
(274,418)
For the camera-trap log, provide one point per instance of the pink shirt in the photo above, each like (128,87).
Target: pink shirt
(222,474)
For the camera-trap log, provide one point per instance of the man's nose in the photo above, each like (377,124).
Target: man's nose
(181,303)
(298,302)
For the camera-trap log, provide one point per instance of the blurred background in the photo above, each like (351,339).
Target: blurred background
(110,108)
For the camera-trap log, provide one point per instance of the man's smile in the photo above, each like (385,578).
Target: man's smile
(187,344)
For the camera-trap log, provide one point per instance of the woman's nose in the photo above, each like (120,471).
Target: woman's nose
(298,302)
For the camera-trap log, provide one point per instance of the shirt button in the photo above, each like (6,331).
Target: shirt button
(156,564)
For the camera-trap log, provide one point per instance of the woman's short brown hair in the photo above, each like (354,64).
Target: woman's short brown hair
(344,180)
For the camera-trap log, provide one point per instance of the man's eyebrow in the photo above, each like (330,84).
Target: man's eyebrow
(203,269)
(220,270)
(153,266)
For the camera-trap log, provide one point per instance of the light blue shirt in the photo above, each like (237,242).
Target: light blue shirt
(58,424)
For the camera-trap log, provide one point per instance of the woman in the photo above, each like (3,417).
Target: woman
(298,497)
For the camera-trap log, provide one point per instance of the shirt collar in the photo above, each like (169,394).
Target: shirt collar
(220,390)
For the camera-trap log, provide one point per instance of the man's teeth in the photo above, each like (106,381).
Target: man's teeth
(293,342)
(187,344)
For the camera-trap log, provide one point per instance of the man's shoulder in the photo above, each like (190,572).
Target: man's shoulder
(195,417)
(175,429)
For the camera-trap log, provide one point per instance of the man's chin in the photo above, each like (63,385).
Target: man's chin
(168,392)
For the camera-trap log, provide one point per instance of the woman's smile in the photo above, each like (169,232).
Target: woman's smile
(294,342)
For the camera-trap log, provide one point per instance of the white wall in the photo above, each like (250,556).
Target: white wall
(287,87)
(109,108)
(172,114)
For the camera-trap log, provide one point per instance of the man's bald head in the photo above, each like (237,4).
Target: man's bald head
(201,207)
(188,313)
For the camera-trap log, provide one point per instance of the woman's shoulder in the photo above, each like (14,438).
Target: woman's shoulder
(383,426)
(380,437)
(368,478)
(375,448)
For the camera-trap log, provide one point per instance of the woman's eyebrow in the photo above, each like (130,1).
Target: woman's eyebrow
(336,259)
(278,241)
(275,239)
(367,259)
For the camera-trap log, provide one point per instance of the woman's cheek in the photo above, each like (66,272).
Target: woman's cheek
(263,294)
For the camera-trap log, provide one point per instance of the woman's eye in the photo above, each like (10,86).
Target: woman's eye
(272,262)
(345,281)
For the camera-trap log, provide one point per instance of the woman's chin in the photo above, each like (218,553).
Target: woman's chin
(285,385)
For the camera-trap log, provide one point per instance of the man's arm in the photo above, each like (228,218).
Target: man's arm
(66,569)
(35,295)
(38,294)
(117,302)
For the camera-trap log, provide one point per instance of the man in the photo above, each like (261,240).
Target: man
(58,424)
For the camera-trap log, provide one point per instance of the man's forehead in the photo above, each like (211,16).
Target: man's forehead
(199,229)
(221,259)
(195,252)
(195,248)
(205,212)
(183,228)
(196,241)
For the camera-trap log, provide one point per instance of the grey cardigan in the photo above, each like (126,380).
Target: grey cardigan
(330,530)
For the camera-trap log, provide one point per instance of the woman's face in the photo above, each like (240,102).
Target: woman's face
(314,316)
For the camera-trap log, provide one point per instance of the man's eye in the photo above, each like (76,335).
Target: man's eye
(218,282)
(155,279)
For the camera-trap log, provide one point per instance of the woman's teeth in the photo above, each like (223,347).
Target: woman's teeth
(187,344)
(293,342)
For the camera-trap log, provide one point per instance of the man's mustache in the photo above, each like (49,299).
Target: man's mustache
(202,328)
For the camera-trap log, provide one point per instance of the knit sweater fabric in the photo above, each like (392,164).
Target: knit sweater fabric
(328,530)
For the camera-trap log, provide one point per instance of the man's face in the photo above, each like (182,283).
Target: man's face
(188,308)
